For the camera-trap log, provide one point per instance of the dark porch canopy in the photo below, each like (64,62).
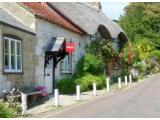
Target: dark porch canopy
(55,50)
(55,45)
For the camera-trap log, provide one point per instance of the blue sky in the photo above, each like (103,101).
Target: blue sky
(113,9)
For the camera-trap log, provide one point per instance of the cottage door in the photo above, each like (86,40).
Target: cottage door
(49,77)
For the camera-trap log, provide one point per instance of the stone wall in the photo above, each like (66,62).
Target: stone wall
(27,78)
(45,32)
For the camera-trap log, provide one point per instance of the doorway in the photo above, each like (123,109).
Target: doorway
(49,76)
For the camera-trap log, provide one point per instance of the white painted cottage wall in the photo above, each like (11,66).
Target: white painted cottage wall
(45,31)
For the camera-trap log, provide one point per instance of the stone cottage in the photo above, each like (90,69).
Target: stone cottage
(90,18)
(55,26)
(17,49)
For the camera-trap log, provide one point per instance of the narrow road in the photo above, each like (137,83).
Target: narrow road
(142,100)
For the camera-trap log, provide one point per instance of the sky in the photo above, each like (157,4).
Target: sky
(113,9)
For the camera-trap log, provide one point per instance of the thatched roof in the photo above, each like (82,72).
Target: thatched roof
(8,19)
(88,19)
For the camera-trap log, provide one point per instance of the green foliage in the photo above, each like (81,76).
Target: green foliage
(89,69)
(7,111)
(140,67)
(141,23)
(87,81)
(142,19)
(90,63)
(156,55)
(101,48)
(142,48)
(67,85)
(125,56)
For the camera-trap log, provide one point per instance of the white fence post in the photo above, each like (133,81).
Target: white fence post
(125,80)
(119,82)
(94,89)
(78,92)
(56,97)
(130,78)
(107,84)
(24,103)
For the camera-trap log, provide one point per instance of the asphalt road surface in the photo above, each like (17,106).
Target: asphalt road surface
(142,100)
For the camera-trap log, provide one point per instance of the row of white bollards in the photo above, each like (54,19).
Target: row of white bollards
(94,88)
(126,81)
(56,93)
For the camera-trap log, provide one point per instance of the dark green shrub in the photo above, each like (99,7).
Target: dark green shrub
(67,85)
(91,64)
(87,81)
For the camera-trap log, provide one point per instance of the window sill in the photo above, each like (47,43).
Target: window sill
(4,72)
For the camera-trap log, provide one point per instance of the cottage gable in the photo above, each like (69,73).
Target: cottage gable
(22,18)
(45,12)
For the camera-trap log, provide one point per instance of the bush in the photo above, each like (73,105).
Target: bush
(156,55)
(67,85)
(91,64)
(87,81)
(8,112)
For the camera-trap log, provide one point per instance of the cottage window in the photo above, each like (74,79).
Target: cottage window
(66,64)
(12,55)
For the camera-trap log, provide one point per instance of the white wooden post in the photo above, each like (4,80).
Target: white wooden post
(56,97)
(24,103)
(130,78)
(119,82)
(94,89)
(107,84)
(78,92)
(125,80)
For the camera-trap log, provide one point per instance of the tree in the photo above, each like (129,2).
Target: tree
(143,20)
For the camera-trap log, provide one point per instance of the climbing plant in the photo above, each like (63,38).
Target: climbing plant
(101,48)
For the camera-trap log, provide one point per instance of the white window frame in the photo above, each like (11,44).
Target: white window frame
(10,70)
(65,62)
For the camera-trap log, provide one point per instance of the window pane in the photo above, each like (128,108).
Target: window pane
(13,47)
(6,62)
(66,61)
(66,64)
(13,66)
(18,48)
(6,46)
(18,62)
